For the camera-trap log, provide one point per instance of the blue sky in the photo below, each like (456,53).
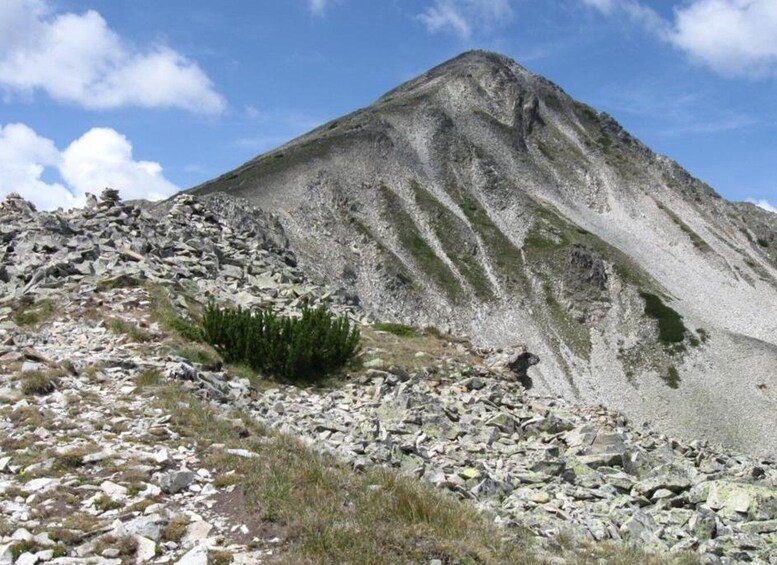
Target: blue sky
(151,96)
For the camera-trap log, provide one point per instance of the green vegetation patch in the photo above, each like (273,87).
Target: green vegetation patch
(200,353)
(670,324)
(33,313)
(298,349)
(400,330)
(166,314)
(449,229)
(130,329)
(423,254)
(696,239)
(326,513)
(588,113)
(38,383)
(505,256)
(605,142)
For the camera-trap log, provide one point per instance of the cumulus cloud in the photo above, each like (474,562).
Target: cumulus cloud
(464,17)
(732,37)
(77,58)
(765,204)
(99,158)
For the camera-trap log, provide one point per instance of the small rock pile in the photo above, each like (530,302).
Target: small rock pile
(220,248)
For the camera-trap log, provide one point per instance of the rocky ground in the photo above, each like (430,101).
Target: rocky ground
(95,467)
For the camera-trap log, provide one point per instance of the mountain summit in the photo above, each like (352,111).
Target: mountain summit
(481,198)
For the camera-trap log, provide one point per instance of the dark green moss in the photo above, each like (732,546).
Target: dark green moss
(671,329)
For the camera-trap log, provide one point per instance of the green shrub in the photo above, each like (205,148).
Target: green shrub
(298,349)
(670,324)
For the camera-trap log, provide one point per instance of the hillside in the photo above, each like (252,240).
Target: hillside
(125,439)
(480,198)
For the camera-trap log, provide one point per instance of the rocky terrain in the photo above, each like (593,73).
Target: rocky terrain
(482,199)
(107,457)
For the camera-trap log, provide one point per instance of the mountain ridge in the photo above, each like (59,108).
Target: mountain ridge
(481,198)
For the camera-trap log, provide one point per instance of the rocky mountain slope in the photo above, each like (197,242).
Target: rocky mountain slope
(106,458)
(482,199)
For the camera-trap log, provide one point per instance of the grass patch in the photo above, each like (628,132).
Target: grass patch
(332,515)
(175,529)
(74,458)
(605,142)
(671,329)
(131,330)
(39,383)
(147,378)
(120,281)
(400,330)
(219,558)
(127,545)
(23,547)
(200,353)
(166,314)
(33,313)
(589,113)
(104,503)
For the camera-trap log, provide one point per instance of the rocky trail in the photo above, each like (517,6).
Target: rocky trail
(104,460)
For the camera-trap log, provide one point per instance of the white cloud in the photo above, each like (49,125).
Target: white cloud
(732,37)
(99,158)
(24,156)
(765,204)
(464,17)
(103,157)
(77,58)
(317,7)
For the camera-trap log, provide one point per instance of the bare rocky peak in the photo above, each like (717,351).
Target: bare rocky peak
(482,199)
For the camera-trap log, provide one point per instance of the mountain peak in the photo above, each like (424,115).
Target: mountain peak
(475,65)
(480,198)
